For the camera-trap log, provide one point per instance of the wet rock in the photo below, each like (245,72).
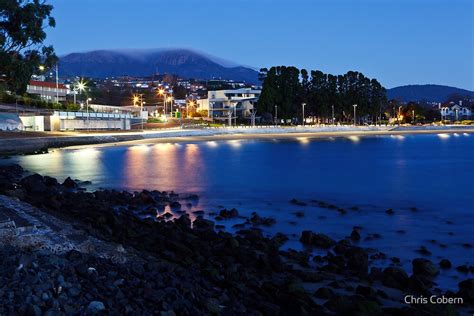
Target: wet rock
(203,225)
(390,211)
(299,214)
(366,291)
(357,260)
(395,278)
(445,264)
(424,267)
(70,183)
(183,221)
(318,240)
(95,307)
(466,291)
(264,221)
(423,251)
(324,293)
(463,268)
(296,202)
(224,213)
(175,205)
(355,236)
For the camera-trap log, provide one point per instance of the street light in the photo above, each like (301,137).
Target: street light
(41,67)
(190,103)
(136,98)
(87,110)
(333,118)
(355,107)
(399,116)
(276,114)
(169,99)
(162,92)
(302,105)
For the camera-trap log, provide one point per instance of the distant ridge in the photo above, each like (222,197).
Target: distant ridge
(428,92)
(145,62)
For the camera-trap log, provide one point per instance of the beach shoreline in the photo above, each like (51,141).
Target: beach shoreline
(11,144)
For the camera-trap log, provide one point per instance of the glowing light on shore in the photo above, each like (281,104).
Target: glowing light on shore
(443,136)
(303,140)
(354,139)
(142,148)
(212,144)
(234,143)
(466,134)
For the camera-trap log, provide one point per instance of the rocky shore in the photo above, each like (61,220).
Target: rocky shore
(80,252)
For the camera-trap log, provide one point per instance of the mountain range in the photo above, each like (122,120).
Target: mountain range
(145,62)
(188,63)
(427,92)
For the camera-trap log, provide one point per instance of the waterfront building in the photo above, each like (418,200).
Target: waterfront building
(235,103)
(456,112)
(48,91)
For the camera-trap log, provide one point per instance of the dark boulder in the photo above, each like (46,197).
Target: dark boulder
(357,260)
(445,264)
(228,214)
(395,278)
(203,225)
(466,291)
(318,240)
(69,183)
(424,267)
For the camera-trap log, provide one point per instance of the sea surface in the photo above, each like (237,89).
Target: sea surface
(428,181)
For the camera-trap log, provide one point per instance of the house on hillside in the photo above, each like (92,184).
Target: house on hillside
(456,112)
(48,91)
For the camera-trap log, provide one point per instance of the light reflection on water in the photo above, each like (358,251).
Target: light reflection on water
(431,172)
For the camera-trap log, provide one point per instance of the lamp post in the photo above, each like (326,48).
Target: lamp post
(170,100)
(276,114)
(87,110)
(398,117)
(333,118)
(302,105)
(355,107)
(162,92)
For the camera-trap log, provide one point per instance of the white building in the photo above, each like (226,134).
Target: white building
(222,104)
(456,112)
(47,90)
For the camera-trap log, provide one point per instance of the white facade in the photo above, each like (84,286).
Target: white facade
(48,91)
(222,104)
(456,112)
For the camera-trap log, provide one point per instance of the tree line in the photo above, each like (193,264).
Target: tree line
(287,88)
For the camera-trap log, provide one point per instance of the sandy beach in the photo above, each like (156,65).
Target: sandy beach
(19,143)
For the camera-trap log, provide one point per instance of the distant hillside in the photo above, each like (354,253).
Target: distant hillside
(182,62)
(428,92)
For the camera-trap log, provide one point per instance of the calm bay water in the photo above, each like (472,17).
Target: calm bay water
(434,173)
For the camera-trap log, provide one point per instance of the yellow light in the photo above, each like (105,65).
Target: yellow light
(161,92)
(191,103)
(169,99)
(135,99)
(41,67)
